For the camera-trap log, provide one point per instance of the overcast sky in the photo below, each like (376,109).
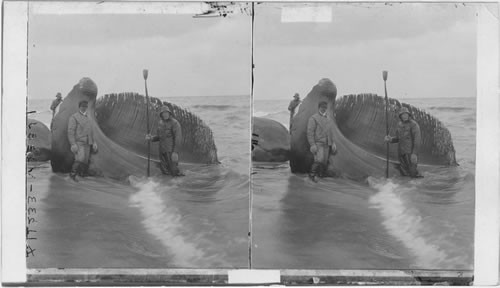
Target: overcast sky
(185,56)
(428,49)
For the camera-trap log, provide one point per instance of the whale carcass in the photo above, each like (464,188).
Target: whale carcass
(273,140)
(119,130)
(359,131)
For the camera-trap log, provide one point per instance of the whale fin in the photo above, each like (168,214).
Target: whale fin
(122,117)
(361,118)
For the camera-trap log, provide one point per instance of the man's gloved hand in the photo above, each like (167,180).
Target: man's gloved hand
(94,148)
(175,157)
(414,158)
(314,149)
(74,148)
(387,138)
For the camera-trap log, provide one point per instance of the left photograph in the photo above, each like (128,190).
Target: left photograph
(138,135)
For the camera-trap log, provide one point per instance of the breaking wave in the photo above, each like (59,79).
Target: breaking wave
(406,224)
(164,221)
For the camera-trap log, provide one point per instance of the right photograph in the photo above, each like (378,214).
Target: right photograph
(364,136)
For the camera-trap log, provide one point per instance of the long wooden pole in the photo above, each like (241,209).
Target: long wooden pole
(145,74)
(384,76)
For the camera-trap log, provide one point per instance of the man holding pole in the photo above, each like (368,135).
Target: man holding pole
(169,134)
(409,139)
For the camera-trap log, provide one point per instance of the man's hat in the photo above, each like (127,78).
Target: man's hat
(58,95)
(404,110)
(165,109)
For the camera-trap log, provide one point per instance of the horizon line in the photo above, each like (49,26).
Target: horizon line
(337,97)
(225,95)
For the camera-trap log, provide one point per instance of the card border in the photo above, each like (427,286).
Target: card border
(14,84)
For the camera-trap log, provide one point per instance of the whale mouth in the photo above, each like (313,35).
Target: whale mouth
(119,126)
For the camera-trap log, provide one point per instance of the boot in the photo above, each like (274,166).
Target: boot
(179,173)
(314,172)
(74,170)
(175,170)
(322,170)
(84,170)
(414,172)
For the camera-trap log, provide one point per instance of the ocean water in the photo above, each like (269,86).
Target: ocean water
(201,220)
(381,224)
(196,221)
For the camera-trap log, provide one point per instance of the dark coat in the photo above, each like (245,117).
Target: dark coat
(55,103)
(408,136)
(169,134)
(293,104)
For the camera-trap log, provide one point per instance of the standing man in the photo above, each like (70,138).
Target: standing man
(409,139)
(293,104)
(170,136)
(81,138)
(55,103)
(320,138)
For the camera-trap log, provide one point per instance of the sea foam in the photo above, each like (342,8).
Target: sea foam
(164,221)
(405,223)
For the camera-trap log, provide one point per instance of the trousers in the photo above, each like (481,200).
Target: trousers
(168,166)
(406,167)
(320,160)
(81,163)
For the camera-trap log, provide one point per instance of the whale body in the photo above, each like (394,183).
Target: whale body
(123,117)
(359,131)
(273,141)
